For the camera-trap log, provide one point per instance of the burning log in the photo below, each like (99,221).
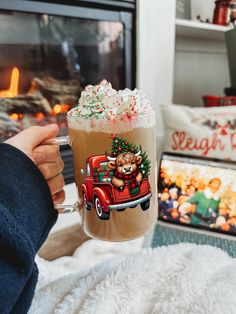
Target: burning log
(25,103)
(62,92)
(7,125)
(47,101)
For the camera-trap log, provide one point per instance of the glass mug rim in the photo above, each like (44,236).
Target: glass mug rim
(133,116)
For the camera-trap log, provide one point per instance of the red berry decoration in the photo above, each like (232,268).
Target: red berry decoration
(120,149)
(132,150)
(126,143)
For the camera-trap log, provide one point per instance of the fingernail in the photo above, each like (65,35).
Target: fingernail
(38,157)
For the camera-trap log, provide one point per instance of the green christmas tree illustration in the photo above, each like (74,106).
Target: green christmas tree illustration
(120,146)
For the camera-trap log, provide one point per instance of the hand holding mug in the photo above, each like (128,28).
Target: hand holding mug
(46,157)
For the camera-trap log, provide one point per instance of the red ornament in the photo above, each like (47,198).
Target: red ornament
(132,150)
(120,149)
(126,143)
(115,154)
(223,132)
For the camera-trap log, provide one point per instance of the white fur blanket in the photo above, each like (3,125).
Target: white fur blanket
(181,279)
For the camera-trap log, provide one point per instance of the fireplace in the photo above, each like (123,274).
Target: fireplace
(49,51)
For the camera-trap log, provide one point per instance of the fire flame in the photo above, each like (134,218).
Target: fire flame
(12,91)
(60,108)
(14,116)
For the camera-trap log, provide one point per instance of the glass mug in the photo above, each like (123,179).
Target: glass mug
(115,173)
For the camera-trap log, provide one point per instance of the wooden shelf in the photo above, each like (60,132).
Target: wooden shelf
(194,29)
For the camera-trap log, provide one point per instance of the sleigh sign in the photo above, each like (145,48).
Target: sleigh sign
(115,184)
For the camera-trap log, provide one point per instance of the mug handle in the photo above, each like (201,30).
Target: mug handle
(63,140)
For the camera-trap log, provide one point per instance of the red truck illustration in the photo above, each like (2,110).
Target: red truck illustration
(104,192)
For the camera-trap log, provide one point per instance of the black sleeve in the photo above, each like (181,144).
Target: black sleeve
(26,217)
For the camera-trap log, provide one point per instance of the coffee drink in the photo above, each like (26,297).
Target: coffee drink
(114,149)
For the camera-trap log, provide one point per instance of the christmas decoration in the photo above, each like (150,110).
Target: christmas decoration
(223,128)
(120,146)
(102,175)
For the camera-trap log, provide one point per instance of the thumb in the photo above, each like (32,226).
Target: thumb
(36,135)
(32,137)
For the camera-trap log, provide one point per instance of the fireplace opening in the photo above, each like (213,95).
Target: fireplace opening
(49,52)
(45,63)
(46,101)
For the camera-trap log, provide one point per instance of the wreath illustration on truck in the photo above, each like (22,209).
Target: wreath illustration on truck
(117,181)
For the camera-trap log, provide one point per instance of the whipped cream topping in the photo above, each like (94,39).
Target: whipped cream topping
(103,102)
